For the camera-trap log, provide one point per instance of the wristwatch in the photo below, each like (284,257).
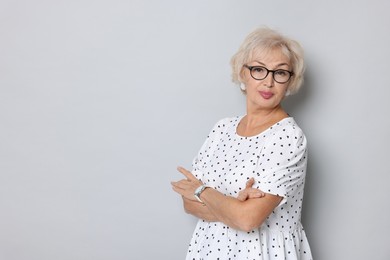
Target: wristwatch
(198,191)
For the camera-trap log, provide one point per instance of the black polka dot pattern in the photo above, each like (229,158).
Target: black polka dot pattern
(276,158)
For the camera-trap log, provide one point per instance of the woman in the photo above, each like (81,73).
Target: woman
(247,182)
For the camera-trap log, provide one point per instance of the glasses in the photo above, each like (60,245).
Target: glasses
(259,73)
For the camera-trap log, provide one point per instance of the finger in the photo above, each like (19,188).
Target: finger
(250,193)
(182,184)
(242,195)
(177,189)
(186,173)
(255,194)
(174,184)
(250,182)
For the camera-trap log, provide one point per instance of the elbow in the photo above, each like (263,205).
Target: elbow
(248,227)
(248,223)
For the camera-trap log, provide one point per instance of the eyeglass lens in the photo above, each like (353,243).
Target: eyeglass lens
(280,76)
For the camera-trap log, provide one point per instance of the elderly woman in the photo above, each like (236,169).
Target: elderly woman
(247,182)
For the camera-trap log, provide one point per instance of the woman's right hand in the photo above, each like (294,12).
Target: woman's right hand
(249,192)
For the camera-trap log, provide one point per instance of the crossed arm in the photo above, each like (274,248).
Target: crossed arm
(245,212)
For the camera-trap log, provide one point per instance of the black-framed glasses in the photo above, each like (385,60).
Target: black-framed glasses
(260,72)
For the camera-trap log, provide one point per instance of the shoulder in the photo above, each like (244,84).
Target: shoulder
(223,127)
(288,131)
(229,120)
(226,123)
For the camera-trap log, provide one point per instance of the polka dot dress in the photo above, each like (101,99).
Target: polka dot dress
(276,159)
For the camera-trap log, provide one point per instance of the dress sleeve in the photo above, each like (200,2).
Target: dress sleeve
(282,164)
(207,149)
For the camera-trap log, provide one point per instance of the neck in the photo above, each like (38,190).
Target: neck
(257,121)
(259,117)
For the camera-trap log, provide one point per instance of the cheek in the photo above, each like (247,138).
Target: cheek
(284,88)
(282,93)
(251,87)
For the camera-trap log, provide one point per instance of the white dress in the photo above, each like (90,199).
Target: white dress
(276,158)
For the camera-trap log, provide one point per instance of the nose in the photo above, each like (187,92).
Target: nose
(269,80)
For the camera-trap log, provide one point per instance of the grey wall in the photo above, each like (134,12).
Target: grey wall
(101,100)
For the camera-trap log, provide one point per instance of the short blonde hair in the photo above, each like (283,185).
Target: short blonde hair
(263,40)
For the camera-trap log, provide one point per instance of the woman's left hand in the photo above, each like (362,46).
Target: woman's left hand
(186,187)
(249,192)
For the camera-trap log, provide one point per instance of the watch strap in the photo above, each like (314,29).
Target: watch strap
(198,191)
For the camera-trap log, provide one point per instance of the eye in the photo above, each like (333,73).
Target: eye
(258,69)
(282,73)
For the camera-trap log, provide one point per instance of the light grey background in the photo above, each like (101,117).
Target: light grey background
(101,100)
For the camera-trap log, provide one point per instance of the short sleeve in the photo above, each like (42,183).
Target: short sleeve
(207,148)
(282,164)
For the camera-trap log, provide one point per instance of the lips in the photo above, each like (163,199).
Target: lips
(266,94)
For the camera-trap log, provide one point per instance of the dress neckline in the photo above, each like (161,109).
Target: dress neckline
(262,132)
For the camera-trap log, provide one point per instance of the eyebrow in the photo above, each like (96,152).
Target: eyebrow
(279,65)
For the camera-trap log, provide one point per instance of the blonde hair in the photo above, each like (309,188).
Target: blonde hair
(263,40)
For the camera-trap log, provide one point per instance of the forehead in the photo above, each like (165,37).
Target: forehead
(270,56)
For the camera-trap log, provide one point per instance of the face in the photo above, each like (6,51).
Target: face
(266,93)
